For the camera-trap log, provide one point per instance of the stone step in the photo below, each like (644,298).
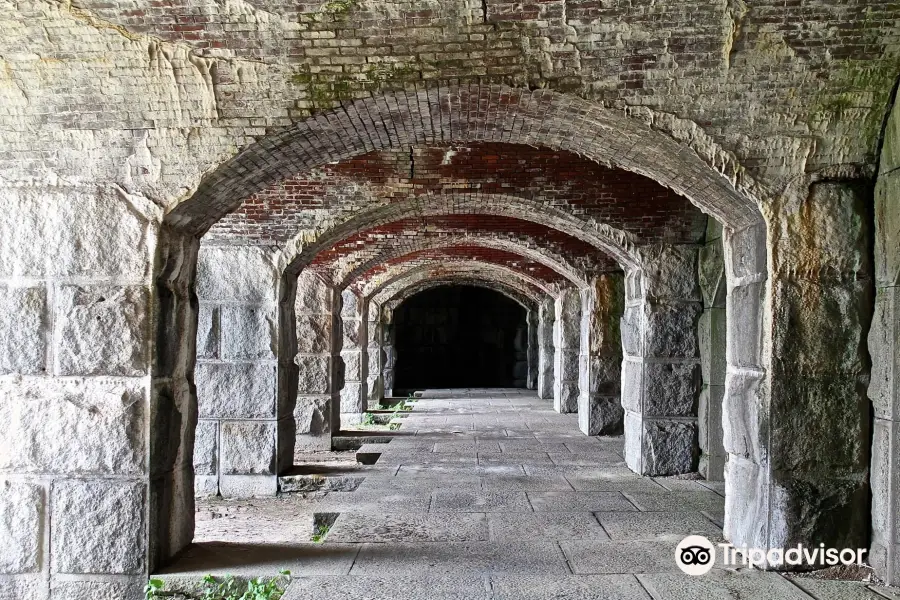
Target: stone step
(354,442)
(302,479)
(368,454)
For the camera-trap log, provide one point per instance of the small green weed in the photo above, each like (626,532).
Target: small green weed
(320,532)
(226,588)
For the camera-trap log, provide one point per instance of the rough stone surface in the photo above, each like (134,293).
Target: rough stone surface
(22,509)
(102,330)
(248,333)
(234,390)
(106,417)
(248,448)
(23,322)
(206,448)
(238,274)
(98,527)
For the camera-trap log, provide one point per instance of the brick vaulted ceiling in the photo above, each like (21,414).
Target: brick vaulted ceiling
(433,177)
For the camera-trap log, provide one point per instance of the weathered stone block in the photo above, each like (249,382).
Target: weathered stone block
(351,305)
(98,527)
(820,329)
(632,331)
(248,448)
(208,331)
(22,509)
(313,333)
(566,364)
(206,486)
(885,477)
(743,313)
(206,448)
(373,360)
(313,295)
(634,439)
(747,492)
(352,364)
(746,417)
(745,251)
(23,329)
(351,398)
(248,486)
(887,230)
(671,389)
(632,385)
(17,587)
(712,332)
(669,448)
(352,333)
(75,232)
(709,420)
(670,272)
(74,426)
(313,374)
(248,332)
(236,274)
(117,589)
(102,330)
(565,397)
(312,415)
(670,330)
(811,410)
(884,348)
(236,390)
(600,415)
(712,275)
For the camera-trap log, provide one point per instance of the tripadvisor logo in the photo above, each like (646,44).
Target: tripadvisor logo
(696,555)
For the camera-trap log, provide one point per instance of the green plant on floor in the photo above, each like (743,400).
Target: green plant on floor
(368,419)
(320,532)
(226,588)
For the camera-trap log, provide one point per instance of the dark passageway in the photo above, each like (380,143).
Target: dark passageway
(460,336)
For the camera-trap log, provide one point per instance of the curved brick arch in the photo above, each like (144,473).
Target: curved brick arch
(617,244)
(392,296)
(557,262)
(452,268)
(476,113)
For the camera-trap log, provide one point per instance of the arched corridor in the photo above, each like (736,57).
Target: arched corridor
(448,299)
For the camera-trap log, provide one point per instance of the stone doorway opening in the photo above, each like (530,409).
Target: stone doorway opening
(460,337)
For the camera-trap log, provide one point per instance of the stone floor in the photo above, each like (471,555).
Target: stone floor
(490,494)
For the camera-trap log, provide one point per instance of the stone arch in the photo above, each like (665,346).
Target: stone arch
(693,167)
(558,263)
(394,273)
(617,244)
(392,296)
(707,176)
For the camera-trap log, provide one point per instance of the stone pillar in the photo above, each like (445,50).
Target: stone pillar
(533,350)
(353,332)
(884,348)
(600,359)
(712,354)
(796,414)
(372,391)
(236,442)
(546,352)
(389,355)
(567,344)
(660,370)
(314,412)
